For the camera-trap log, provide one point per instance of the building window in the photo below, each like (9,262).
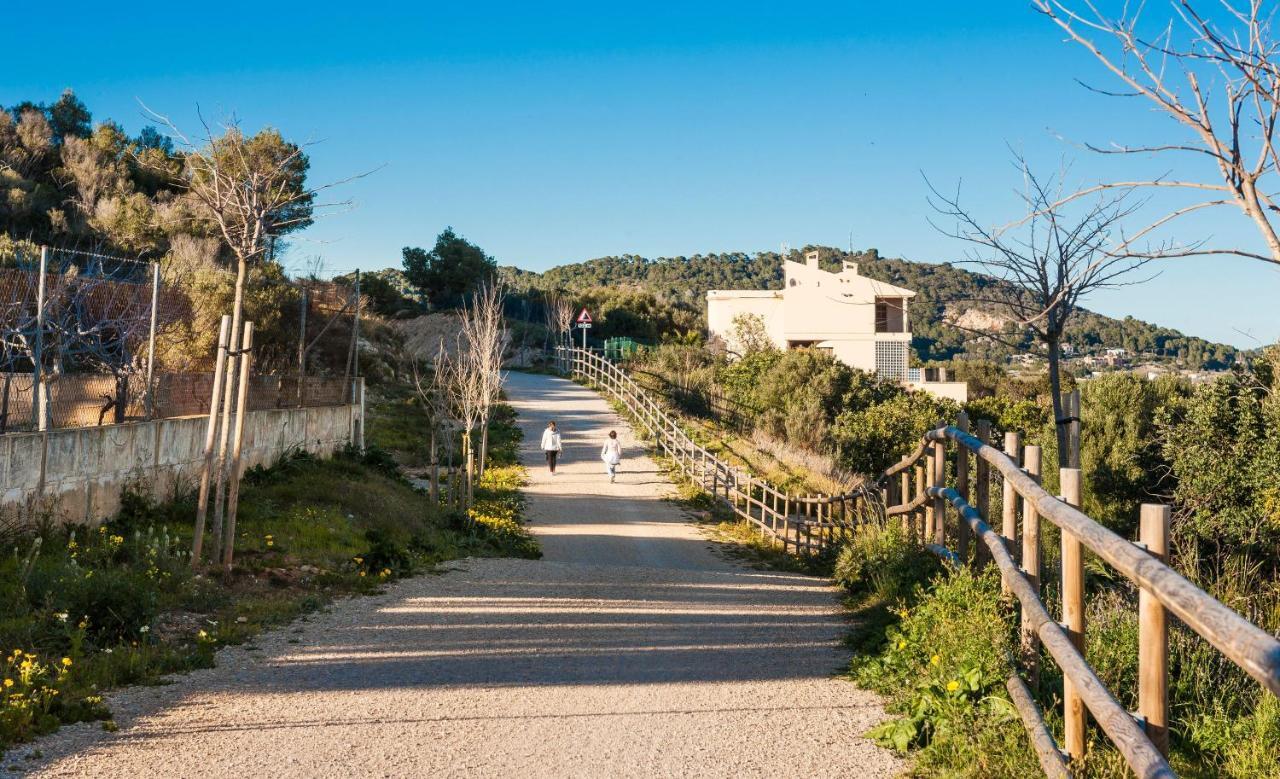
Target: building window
(891,360)
(889,318)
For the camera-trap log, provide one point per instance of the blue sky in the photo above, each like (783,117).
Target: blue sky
(567,131)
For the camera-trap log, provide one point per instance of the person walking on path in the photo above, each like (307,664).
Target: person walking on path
(551,445)
(611,454)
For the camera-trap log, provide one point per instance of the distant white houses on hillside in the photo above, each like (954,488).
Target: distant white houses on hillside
(861,321)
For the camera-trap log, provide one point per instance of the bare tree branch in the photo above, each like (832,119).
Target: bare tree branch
(1227,99)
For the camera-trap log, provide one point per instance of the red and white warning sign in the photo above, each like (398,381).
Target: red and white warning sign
(584,319)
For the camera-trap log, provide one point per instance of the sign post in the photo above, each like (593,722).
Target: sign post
(584,324)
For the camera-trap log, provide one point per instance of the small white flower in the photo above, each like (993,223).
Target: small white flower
(62,616)
(107,651)
(144,629)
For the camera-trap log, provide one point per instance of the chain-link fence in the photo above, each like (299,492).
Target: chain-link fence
(119,339)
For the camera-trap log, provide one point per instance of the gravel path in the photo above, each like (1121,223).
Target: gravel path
(632,649)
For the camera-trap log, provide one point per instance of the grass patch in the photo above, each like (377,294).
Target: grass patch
(934,642)
(84,610)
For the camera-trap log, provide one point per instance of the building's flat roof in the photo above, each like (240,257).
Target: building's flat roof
(744,293)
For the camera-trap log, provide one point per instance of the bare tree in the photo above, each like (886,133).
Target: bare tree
(484,331)
(251,190)
(1046,262)
(562,318)
(1217,77)
(433,392)
(550,317)
(461,376)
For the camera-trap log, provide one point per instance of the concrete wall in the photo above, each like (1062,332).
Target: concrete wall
(954,390)
(77,474)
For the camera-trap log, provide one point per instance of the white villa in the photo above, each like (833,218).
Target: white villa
(861,321)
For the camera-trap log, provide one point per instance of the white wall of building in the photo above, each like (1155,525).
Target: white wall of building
(833,311)
(725,306)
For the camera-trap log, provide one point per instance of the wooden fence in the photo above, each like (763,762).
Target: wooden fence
(917,493)
(803,524)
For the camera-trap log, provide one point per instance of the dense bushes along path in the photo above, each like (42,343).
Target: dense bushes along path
(630,649)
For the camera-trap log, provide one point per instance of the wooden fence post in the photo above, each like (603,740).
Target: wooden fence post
(786,520)
(1153,635)
(962,487)
(904,496)
(923,524)
(1031,561)
(930,453)
(1073,708)
(983,488)
(1009,503)
(939,502)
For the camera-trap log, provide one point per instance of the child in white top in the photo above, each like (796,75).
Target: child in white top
(611,454)
(551,445)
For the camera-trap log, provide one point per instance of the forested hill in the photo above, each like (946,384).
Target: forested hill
(944,296)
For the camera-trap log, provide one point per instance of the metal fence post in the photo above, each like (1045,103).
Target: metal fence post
(39,407)
(302,344)
(151,341)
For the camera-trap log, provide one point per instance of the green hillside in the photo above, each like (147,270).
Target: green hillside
(945,293)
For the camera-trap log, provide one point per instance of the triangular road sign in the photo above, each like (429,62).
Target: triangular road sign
(585,317)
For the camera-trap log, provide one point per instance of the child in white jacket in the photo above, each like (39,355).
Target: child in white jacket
(551,445)
(611,454)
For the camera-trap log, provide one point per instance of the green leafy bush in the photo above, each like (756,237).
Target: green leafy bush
(943,667)
(873,438)
(882,561)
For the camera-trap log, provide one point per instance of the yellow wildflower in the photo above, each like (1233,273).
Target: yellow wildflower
(66,661)
(362,573)
(8,682)
(935,660)
(953,685)
(902,644)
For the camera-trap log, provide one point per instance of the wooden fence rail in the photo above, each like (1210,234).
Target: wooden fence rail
(915,491)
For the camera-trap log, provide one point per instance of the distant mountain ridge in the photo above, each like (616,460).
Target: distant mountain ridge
(945,321)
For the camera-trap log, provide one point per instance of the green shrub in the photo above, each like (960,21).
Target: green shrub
(943,667)
(117,603)
(883,562)
(386,553)
(873,438)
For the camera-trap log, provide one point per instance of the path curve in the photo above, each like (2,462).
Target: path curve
(632,649)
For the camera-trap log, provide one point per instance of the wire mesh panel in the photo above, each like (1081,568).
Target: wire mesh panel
(119,339)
